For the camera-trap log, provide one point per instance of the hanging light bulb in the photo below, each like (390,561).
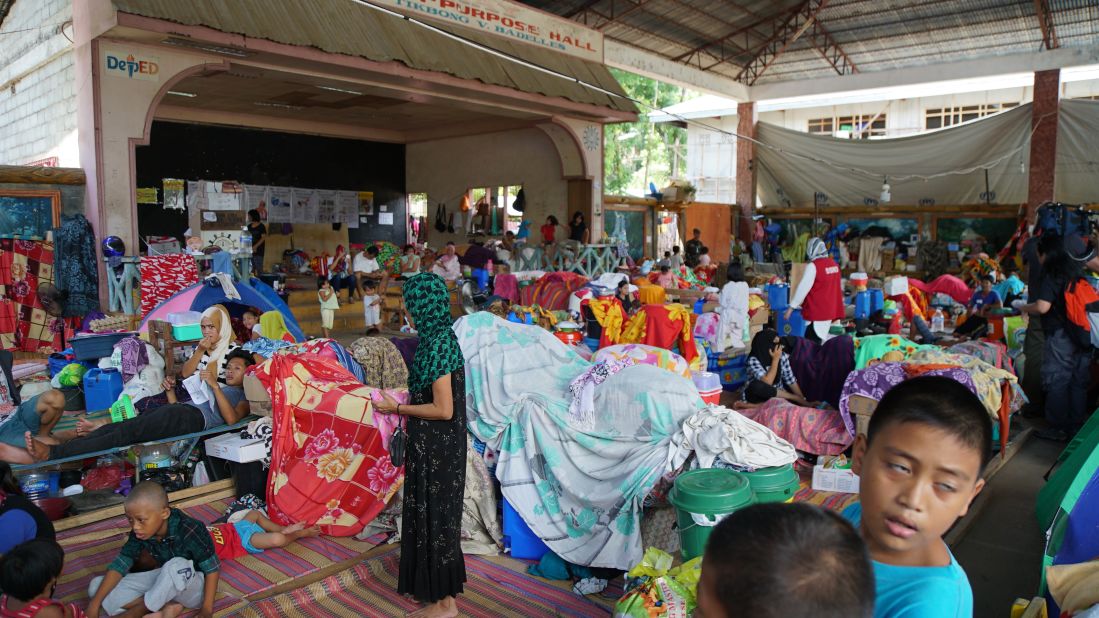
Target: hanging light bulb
(884,197)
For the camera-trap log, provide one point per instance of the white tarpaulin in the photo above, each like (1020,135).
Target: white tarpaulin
(1077,180)
(791,180)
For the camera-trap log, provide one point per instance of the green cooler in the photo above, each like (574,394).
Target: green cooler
(778,484)
(702,498)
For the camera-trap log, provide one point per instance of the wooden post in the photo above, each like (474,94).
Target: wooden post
(746,168)
(1043,142)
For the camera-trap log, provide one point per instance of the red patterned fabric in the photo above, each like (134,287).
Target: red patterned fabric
(227,543)
(24,325)
(164,275)
(329,465)
(552,290)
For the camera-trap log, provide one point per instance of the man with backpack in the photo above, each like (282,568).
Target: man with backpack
(1062,302)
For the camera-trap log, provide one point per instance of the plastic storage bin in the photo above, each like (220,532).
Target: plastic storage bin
(778,296)
(701,499)
(778,484)
(877,300)
(95,347)
(524,544)
(794,326)
(187,332)
(101,388)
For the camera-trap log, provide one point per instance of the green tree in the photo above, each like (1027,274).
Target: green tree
(636,153)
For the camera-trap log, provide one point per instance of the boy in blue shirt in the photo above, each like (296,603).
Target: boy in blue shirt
(920,468)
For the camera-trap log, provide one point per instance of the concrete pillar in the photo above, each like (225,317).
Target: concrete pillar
(746,168)
(1043,142)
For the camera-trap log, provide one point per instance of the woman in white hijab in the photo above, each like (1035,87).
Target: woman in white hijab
(820,292)
(215,345)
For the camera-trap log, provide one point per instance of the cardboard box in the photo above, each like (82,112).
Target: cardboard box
(839,480)
(760,318)
(861,408)
(232,447)
(259,400)
(896,286)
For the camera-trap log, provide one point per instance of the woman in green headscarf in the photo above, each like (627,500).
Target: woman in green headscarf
(432,567)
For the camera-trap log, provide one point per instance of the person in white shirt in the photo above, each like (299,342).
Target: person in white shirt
(446,265)
(372,305)
(366,266)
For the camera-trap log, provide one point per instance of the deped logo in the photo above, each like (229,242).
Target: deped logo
(131,67)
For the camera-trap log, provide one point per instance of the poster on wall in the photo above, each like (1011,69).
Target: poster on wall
(280,205)
(327,211)
(305,205)
(255,198)
(196,195)
(147,195)
(173,194)
(385,218)
(366,203)
(223,196)
(348,204)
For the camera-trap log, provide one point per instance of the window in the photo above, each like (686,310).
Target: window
(950,116)
(820,126)
(856,125)
(1094,97)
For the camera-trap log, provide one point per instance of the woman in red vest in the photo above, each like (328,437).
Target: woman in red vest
(820,292)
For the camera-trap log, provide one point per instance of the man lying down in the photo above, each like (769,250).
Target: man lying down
(226,406)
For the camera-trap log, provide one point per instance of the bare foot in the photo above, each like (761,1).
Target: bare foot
(299,531)
(85,427)
(170,610)
(37,450)
(446,608)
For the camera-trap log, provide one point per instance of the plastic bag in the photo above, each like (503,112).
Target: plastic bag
(655,588)
(71,375)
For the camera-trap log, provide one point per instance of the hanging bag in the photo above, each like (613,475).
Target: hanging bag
(450,224)
(520,203)
(440,218)
(397,443)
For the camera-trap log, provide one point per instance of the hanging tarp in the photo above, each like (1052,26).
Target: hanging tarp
(1077,152)
(788,178)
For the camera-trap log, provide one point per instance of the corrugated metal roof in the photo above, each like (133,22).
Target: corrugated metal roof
(876,35)
(344,27)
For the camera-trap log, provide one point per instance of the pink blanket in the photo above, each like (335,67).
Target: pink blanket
(810,430)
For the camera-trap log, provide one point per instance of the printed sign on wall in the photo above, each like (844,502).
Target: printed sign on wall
(130,64)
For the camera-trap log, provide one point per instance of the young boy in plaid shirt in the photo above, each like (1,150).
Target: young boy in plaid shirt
(175,546)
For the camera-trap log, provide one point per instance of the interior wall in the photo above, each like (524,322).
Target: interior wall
(193,152)
(445,169)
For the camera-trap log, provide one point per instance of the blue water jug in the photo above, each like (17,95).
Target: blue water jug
(795,326)
(862,305)
(480,275)
(102,388)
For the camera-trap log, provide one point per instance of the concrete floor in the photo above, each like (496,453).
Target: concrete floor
(1002,551)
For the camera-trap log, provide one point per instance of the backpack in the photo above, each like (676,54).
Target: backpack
(520,203)
(1082,311)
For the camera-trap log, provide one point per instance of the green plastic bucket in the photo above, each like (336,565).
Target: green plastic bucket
(702,498)
(778,484)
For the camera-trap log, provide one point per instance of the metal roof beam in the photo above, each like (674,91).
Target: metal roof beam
(988,66)
(785,35)
(686,57)
(586,9)
(1045,22)
(636,60)
(830,50)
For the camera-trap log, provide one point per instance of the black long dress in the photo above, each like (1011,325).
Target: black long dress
(432,566)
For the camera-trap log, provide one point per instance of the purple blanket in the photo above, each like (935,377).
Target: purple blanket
(822,369)
(407,347)
(874,381)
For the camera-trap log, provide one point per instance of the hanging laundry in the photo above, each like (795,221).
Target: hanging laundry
(76,271)
(582,407)
(164,275)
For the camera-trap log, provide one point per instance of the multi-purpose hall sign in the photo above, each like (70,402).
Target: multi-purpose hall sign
(509,20)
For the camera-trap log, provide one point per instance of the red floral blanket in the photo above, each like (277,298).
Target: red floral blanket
(164,275)
(329,464)
(24,325)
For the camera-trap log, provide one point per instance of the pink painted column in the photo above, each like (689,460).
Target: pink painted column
(1043,143)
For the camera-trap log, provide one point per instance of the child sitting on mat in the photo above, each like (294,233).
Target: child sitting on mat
(919,467)
(785,560)
(176,546)
(253,533)
(28,576)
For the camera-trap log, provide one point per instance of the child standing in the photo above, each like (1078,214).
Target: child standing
(785,560)
(179,547)
(28,576)
(253,534)
(329,305)
(372,305)
(919,469)
(666,279)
